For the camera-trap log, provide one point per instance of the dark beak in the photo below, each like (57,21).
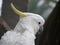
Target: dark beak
(40,30)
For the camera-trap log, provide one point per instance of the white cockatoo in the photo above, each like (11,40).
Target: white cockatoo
(25,30)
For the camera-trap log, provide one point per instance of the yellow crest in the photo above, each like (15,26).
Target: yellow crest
(21,14)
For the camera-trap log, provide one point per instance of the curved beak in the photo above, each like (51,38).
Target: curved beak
(40,30)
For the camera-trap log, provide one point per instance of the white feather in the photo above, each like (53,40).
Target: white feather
(24,32)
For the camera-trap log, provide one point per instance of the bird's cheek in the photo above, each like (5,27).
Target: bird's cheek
(36,28)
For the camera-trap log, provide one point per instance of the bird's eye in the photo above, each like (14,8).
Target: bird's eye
(39,22)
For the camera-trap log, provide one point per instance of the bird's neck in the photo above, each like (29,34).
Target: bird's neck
(21,27)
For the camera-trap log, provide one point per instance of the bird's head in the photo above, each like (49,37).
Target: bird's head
(29,21)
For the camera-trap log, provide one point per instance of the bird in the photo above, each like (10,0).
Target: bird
(25,29)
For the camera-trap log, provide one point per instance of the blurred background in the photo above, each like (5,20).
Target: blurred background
(48,9)
(42,7)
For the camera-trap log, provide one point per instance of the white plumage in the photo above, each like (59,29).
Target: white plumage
(24,32)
